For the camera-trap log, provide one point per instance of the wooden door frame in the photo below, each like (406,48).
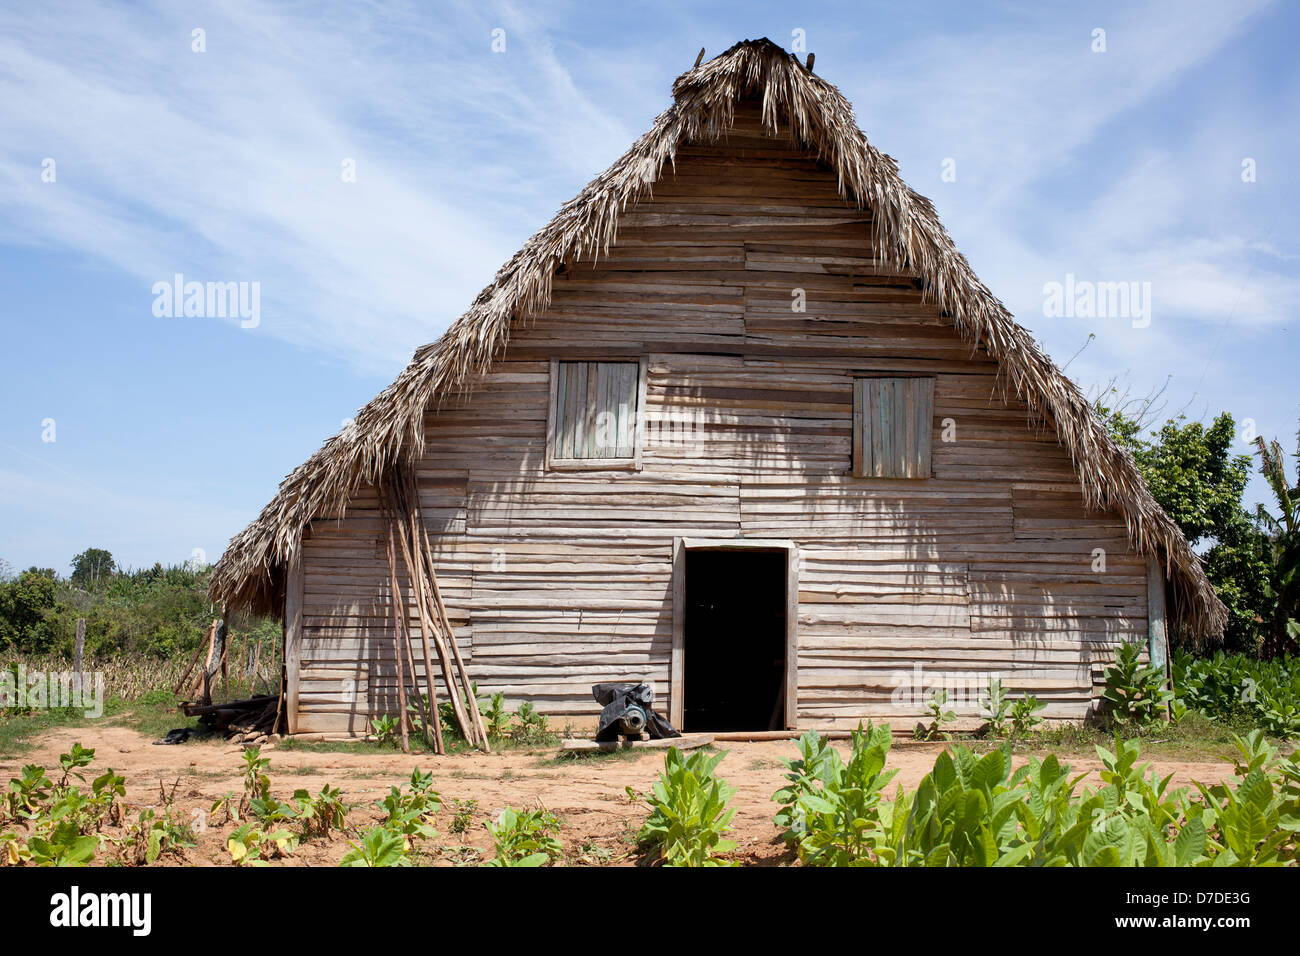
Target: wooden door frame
(677,669)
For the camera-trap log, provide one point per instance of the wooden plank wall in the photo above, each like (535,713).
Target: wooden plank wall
(556,580)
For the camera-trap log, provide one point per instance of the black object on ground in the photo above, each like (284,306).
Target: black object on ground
(629,712)
(178,736)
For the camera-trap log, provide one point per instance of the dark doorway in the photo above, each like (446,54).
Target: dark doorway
(734,639)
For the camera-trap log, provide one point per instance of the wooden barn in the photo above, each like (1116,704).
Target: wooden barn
(740,422)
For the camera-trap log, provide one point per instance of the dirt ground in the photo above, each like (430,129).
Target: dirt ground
(599,822)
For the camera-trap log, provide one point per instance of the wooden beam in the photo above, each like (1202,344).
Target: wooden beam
(685,742)
(292,635)
(1157,634)
(677,666)
(792,637)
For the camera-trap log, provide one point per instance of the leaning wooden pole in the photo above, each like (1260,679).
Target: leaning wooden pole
(397,601)
(426,703)
(445,624)
(467,727)
(416,520)
(397,510)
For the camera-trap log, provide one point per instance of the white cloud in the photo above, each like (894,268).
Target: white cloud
(226,165)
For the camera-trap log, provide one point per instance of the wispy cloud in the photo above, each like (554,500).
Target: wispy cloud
(227,164)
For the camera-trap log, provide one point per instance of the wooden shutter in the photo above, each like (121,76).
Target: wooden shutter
(892,427)
(595,410)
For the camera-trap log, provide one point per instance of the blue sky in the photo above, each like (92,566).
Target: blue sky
(226,165)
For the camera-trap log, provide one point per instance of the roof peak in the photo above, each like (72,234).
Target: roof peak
(755,58)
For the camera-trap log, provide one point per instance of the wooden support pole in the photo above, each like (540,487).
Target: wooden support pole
(416,520)
(202,684)
(455,648)
(398,601)
(79,648)
(225,663)
(198,652)
(396,510)
(257,665)
(467,727)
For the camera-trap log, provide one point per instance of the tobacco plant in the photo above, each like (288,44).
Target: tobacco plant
(688,812)
(252,846)
(940,716)
(410,813)
(1024,714)
(832,809)
(524,838)
(321,813)
(975,810)
(1135,693)
(378,846)
(996,707)
(257,782)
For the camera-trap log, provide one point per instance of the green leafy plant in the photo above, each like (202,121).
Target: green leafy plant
(73,762)
(257,782)
(996,707)
(817,768)
(28,792)
(63,845)
(974,810)
(107,792)
(378,846)
(534,729)
(146,840)
(270,812)
(1025,714)
(463,815)
(410,812)
(688,812)
(524,838)
(831,809)
(1135,693)
(940,716)
(321,813)
(1226,686)
(384,728)
(497,717)
(249,845)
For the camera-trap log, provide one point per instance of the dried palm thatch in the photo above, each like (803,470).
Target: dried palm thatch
(907,232)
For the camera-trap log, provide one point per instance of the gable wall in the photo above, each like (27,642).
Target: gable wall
(558,580)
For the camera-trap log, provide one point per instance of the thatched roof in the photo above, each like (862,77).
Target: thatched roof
(908,233)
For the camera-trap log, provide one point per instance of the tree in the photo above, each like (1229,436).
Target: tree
(1282,542)
(25,604)
(91,566)
(1195,478)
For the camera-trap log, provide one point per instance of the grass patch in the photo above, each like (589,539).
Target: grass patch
(563,757)
(1195,738)
(152,714)
(358,746)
